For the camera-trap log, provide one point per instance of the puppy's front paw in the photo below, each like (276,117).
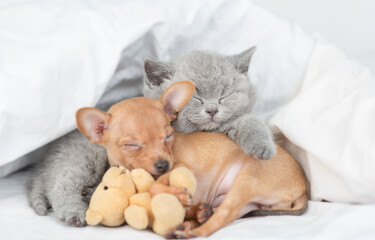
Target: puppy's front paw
(180,234)
(72,218)
(184,196)
(260,149)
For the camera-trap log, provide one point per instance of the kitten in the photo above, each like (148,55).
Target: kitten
(223,99)
(66,179)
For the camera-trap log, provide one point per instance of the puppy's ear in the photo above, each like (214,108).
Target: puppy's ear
(156,72)
(92,122)
(176,97)
(242,60)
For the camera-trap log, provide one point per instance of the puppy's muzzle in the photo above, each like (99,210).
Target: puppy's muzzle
(162,166)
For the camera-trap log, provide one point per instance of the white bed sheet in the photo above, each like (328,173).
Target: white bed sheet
(321,221)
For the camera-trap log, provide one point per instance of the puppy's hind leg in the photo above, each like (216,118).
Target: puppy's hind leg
(230,208)
(296,208)
(200,212)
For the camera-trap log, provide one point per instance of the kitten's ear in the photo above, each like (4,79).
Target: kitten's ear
(242,60)
(176,97)
(156,72)
(92,122)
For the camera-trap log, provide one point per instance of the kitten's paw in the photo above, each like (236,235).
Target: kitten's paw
(87,193)
(41,210)
(260,149)
(76,222)
(40,207)
(72,218)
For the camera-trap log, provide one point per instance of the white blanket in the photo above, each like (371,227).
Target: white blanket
(58,56)
(321,221)
(330,123)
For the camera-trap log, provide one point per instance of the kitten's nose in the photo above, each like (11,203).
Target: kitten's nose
(162,166)
(212,112)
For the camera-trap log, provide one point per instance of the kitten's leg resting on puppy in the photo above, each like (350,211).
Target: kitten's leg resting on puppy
(253,136)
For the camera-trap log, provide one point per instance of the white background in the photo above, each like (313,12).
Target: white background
(348,24)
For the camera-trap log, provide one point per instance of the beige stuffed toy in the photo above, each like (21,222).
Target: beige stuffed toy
(123,196)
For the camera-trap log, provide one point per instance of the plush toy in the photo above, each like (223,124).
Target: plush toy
(123,196)
(167,209)
(113,194)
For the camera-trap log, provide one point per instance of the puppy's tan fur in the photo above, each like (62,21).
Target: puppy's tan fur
(137,134)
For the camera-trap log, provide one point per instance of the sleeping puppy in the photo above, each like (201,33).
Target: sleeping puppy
(137,134)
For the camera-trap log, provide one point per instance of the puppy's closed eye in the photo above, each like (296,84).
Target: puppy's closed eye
(131,146)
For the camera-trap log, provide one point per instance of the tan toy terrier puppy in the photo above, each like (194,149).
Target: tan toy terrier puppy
(137,134)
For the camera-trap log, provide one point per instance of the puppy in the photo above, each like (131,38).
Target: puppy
(137,134)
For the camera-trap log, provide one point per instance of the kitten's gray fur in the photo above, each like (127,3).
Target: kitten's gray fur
(222,86)
(66,179)
(74,166)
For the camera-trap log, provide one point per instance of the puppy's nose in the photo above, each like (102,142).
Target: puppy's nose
(162,166)
(212,112)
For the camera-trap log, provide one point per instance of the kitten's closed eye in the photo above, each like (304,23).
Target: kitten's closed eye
(221,99)
(200,100)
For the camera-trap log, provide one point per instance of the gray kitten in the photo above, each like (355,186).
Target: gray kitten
(66,179)
(223,99)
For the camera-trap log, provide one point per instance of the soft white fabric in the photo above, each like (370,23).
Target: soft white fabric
(331,124)
(321,221)
(58,56)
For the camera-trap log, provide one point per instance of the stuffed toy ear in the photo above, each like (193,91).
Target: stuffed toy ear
(92,122)
(176,97)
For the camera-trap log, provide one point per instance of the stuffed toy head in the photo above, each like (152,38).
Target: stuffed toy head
(111,198)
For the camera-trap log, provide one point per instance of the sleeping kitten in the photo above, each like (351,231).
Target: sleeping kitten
(67,177)
(223,99)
